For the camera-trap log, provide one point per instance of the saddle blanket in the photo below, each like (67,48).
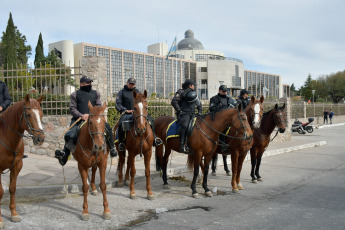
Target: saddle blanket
(174,129)
(117,136)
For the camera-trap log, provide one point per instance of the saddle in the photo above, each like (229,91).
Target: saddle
(71,136)
(173,129)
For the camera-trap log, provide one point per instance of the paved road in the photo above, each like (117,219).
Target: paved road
(301,190)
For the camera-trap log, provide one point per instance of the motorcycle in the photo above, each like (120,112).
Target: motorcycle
(302,128)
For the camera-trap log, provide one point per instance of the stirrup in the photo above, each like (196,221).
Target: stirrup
(158,141)
(122,147)
(113,153)
(59,154)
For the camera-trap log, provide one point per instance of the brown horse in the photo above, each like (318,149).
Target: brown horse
(91,151)
(262,137)
(23,115)
(139,140)
(203,140)
(238,148)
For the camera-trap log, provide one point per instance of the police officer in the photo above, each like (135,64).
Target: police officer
(243,98)
(79,108)
(5,97)
(184,103)
(125,105)
(219,102)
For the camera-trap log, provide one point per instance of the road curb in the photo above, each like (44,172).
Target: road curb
(60,189)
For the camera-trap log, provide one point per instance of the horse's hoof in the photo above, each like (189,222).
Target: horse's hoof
(166,186)
(235,190)
(254,181)
(228,173)
(94,192)
(260,179)
(16,218)
(119,185)
(133,196)
(196,195)
(214,174)
(151,197)
(2,225)
(106,216)
(126,183)
(85,216)
(209,194)
(240,187)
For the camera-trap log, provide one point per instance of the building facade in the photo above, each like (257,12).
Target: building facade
(258,83)
(155,73)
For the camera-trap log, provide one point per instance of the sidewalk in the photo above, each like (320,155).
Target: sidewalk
(42,175)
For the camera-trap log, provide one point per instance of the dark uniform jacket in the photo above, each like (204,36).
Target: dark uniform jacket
(220,102)
(79,102)
(125,100)
(180,104)
(5,98)
(244,102)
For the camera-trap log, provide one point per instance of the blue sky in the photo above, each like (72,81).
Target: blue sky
(286,37)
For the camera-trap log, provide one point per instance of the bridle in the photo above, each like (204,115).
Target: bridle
(91,134)
(277,121)
(30,130)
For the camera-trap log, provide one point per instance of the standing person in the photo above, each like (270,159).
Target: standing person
(125,105)
(325,116)
(219,102)
(79,108)
(5,97)
(184,103)
(330,116)
(243,98)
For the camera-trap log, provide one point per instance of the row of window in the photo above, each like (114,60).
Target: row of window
(261,84)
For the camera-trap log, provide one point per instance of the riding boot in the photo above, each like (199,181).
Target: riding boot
(157,141)
(121,133)
(63,155)
(110,141)
(183,147)
(223,144)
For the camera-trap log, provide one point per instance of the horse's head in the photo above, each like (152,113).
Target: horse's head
(32,121)
(255,111)
(242,123)
(96,126)
(279,117)
(140,111)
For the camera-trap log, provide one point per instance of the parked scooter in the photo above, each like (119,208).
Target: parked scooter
(302,128)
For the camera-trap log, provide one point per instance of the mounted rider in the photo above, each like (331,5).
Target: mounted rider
(219,102)
(184,103)
(125,105)
(79,109)
(243,99)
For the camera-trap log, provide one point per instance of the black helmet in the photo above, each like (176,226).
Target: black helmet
(244,91)
(191,96)
(187,83)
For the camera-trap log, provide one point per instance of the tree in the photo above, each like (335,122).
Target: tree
(13,49)
(336,86)
(39,55)
(306,89)
(8,44)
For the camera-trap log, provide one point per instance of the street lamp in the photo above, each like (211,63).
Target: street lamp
(313,91)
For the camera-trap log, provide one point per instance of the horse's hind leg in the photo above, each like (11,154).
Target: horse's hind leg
(239,169)
(225,163)
(165,166)
(258,163)
(147,159)
(93,183)
(102,168)
(13,181)
(1,194)
(83,173)
(131,165)
(253,153)
(214,164)
(234,162)
(128,170)
(204,182)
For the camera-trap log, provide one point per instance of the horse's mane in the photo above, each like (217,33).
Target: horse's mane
(12,115)
(140,97)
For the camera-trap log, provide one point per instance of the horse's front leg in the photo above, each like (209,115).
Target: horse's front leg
(234,162)
(253,154)
(128,170)
(214,164)
(120,169)
(147,159)
(195,174)
(225,163)
(258,163)
(102,168)
(239,169)
(83,173)
(165,166)
(93,183)
(204,182)
(131,165)
(13,182)
(1,194)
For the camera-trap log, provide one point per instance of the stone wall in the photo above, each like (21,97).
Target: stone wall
(319,120)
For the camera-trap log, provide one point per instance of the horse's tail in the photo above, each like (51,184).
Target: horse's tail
(190,161)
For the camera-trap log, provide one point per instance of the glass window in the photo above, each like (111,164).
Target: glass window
(116,70)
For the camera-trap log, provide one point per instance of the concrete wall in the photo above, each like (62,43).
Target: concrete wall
(55,126)
(319,120)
